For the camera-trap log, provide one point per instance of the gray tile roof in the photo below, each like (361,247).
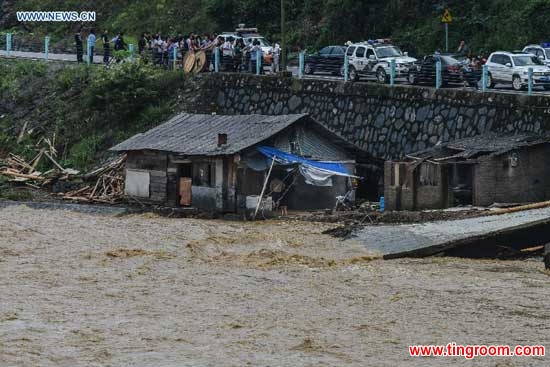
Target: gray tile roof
(488,144)
(192,134)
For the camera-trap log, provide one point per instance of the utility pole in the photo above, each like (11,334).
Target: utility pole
(283,41)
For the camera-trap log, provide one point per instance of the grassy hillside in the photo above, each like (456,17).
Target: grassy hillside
(485,25)
(86,109)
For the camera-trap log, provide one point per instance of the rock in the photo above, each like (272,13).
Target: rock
(379,123)
(293,102)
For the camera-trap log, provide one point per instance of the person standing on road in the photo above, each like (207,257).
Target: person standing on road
(78,44)
(91,43)
(276,57)
(142,43)
(106,47)
(463,49)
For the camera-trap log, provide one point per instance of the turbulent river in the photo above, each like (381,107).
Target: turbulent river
(88,290)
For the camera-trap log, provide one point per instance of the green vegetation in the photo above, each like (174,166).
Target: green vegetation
(86,109)
(485,25)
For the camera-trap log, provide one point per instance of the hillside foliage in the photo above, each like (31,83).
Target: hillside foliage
(486,25)
(85,110)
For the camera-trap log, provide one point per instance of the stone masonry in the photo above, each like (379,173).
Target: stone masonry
(387,122)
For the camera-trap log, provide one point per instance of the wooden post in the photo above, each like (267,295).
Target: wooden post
(263,188)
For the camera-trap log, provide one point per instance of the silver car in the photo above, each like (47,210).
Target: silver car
(512,68)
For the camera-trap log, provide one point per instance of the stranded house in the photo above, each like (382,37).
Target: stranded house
(219,163)
(482,170)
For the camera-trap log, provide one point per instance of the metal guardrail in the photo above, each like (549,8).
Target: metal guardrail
(215,62)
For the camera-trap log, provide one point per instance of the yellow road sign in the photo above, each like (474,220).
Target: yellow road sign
(447,17)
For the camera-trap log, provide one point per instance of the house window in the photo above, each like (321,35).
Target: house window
(203,174)
(137,183)
(429,174)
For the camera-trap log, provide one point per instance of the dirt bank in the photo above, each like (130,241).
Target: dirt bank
(85,290)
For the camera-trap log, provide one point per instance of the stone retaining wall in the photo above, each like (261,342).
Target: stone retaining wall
(387,122)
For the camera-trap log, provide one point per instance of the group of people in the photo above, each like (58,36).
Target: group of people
(236,53)
(117,43)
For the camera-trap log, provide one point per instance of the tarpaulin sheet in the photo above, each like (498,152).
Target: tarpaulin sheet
(334,168)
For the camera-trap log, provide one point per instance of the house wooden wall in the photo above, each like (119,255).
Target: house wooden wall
(155,163)
(165,170)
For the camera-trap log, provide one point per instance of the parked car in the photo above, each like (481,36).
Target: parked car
(508,67)
(424,72)
(328,59)
(373,58)
(541,51)
(249,35)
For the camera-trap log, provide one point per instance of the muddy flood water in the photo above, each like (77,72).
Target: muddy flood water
(140,290)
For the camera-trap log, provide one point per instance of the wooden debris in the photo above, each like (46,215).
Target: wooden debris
(106,183)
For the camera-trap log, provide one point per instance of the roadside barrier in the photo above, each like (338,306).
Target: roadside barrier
(530,81)
(346,67)
(392,72)
(438,78)
(46,47)
(209,60)
(301,65)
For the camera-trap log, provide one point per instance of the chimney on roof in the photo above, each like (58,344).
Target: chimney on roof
(222,139)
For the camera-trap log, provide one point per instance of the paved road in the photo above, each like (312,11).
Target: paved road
(501,88)
(40,55)
(98,59)
(397,239)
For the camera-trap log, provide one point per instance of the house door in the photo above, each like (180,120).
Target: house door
(184,183)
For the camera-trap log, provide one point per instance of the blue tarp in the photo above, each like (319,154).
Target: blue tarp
(334,168)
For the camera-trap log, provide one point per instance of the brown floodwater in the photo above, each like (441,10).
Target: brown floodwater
(88,290)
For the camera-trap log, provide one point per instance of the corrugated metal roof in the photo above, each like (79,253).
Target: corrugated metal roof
(192,134)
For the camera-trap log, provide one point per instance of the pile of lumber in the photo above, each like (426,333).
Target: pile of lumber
(19,170)
(104,184)
(107,187)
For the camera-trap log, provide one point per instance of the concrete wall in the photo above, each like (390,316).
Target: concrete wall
(497,181)
(387,122)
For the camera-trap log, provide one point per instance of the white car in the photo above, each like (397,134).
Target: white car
(540,51)
(368,58)
(509,67)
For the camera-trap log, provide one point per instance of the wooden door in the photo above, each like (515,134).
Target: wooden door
(185,191)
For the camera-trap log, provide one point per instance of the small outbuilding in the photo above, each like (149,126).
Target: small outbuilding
(480,171)
(225,163)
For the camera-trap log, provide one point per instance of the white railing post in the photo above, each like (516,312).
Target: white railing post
(392,72)
(530,81)
(217,60)
(8,44)
(346,67)
(301,65)
(46,47)
(484,74)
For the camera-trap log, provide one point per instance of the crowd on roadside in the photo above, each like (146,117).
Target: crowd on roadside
(236,53)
